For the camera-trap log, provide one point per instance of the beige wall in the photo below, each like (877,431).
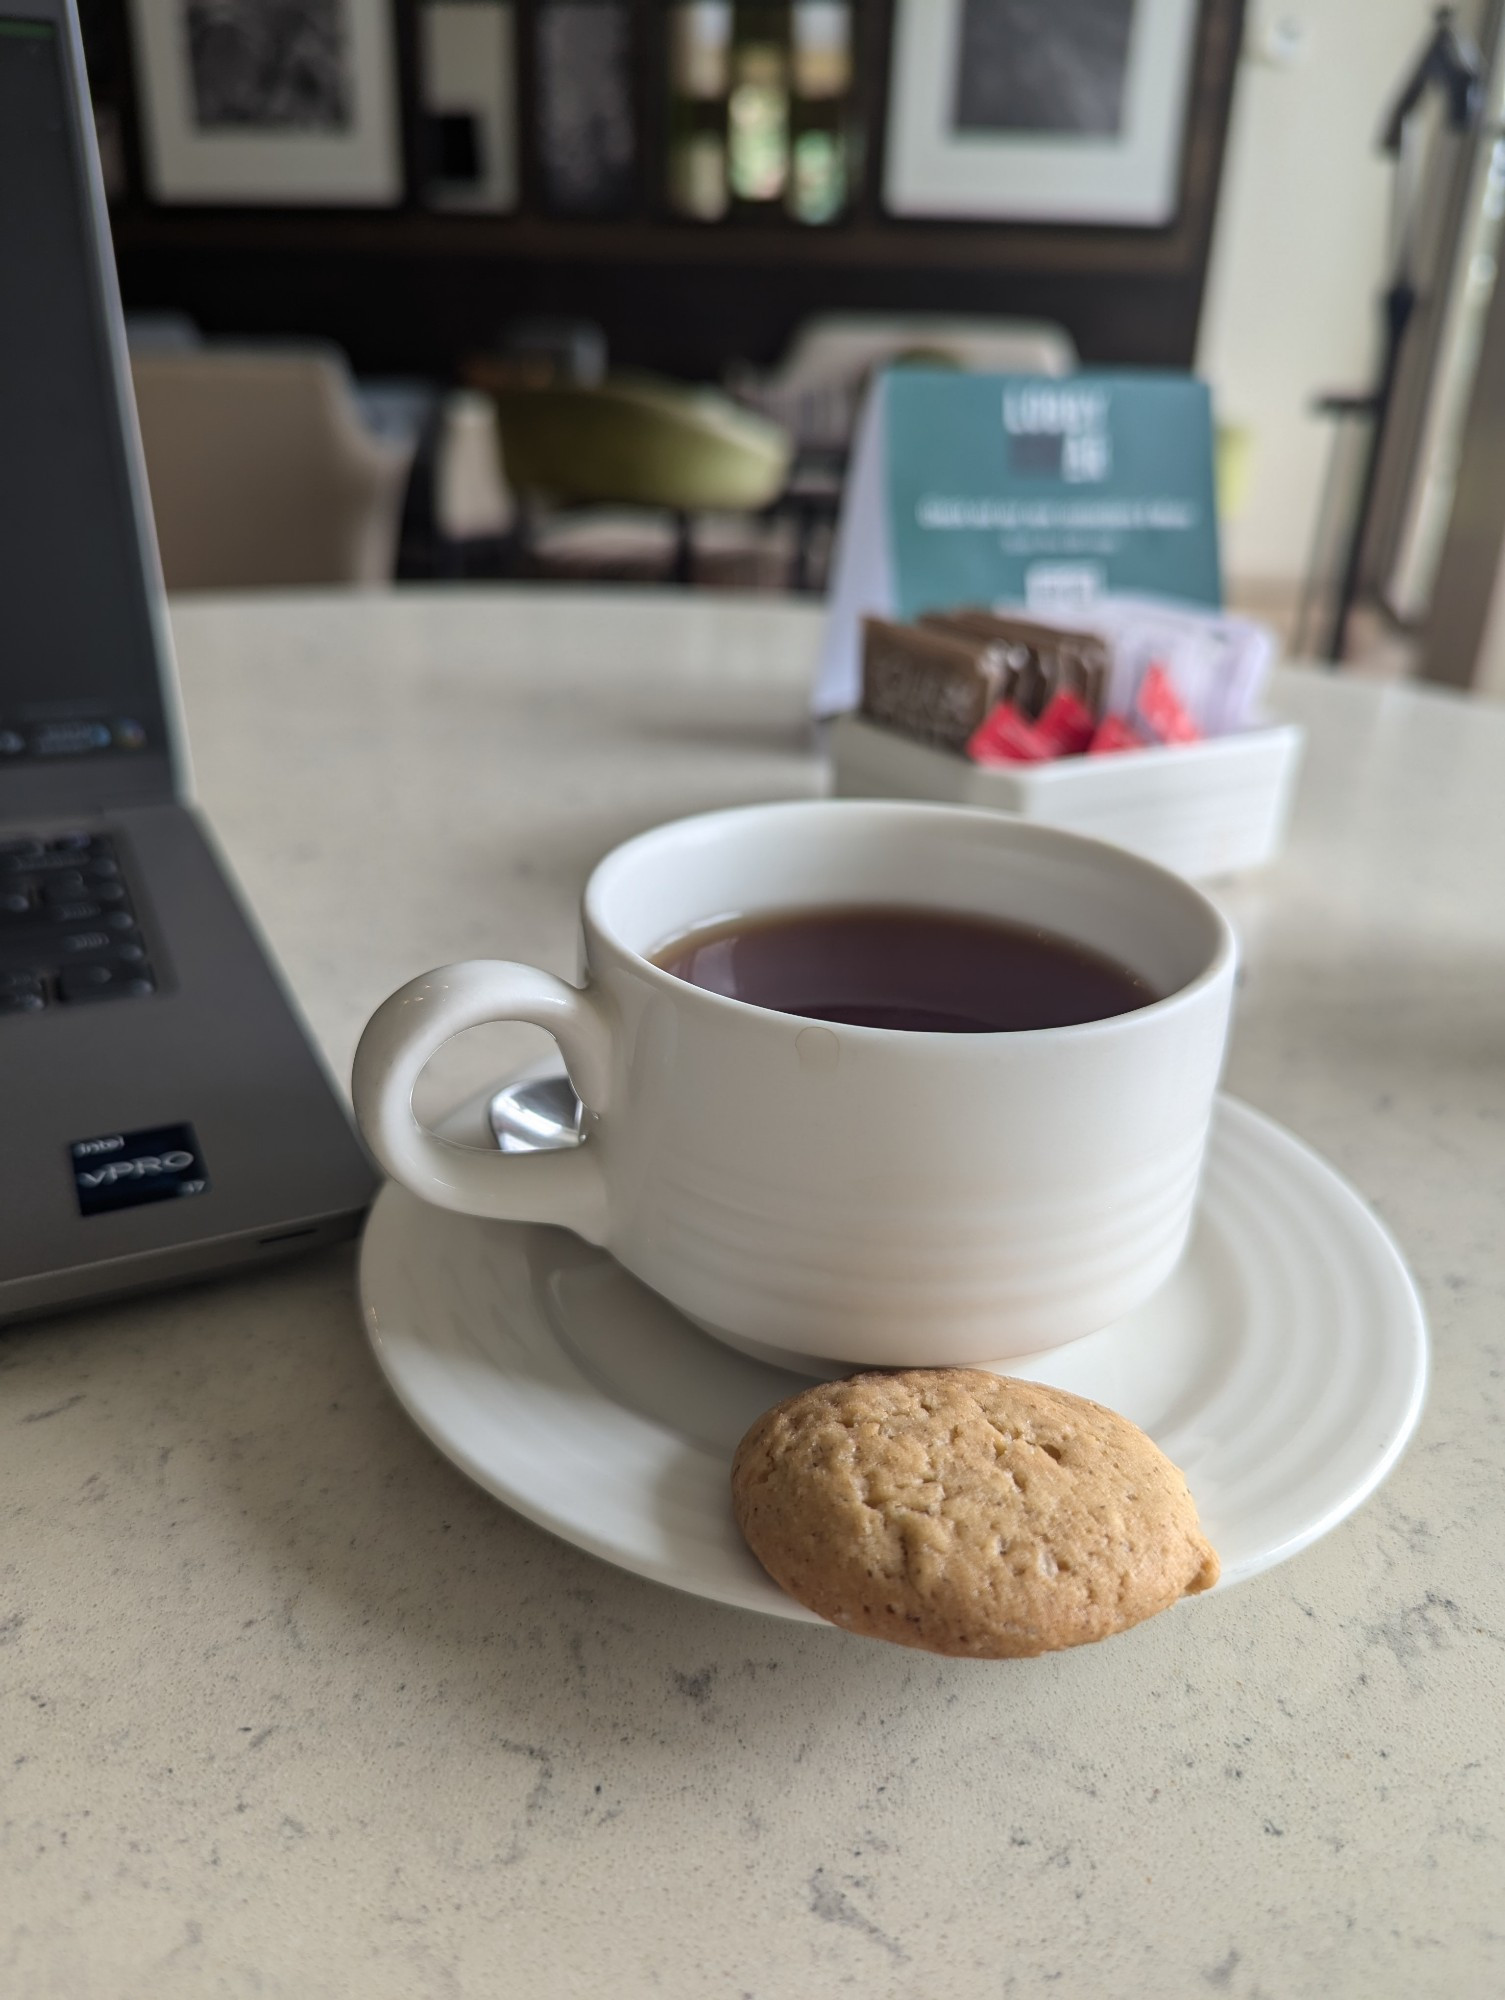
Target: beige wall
(1299,256)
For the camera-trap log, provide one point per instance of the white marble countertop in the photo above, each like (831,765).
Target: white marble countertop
(288,1708)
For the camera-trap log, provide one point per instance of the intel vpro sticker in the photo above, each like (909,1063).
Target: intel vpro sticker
(124,1169)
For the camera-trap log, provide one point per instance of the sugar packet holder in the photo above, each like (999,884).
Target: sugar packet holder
(1004,689)
(1206,809)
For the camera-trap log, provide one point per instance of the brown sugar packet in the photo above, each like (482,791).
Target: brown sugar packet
(928,685)
(1076,662)
(1029,673)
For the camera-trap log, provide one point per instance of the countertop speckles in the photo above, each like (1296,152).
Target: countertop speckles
(288,1708)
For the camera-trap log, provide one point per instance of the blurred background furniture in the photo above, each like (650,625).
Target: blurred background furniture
(458,513)
(263,471)
(633,442)
(1434,163)
(520,231)
(474,510)
(817,389)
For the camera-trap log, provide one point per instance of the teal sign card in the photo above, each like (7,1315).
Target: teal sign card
(1048,490)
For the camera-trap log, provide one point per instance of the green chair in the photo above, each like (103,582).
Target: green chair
(640,442)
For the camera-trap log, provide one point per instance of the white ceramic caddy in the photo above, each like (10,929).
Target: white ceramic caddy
(1203,809)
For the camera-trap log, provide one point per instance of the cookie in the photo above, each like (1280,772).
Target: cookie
(968,1514)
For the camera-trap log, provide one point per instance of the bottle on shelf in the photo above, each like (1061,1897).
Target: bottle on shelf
(758,106)
(699,51)
(821,144)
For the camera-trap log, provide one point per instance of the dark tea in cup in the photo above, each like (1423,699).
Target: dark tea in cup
(925,971)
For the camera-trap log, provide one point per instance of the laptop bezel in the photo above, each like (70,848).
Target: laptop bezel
(111,781)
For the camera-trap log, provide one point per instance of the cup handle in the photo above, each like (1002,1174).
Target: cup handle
(564,1187)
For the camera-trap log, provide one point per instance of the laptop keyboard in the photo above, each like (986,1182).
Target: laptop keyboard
(68,929)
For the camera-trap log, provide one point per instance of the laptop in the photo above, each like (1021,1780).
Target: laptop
(163,1113)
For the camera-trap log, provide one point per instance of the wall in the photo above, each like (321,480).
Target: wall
(407,290)
(1299,257)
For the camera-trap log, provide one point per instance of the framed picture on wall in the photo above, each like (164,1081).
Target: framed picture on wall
(1064,111)
(273,102)
(468,104)
(584,105)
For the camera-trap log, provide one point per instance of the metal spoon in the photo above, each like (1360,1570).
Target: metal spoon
(536,1114)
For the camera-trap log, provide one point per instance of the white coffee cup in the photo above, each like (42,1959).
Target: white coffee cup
(824,1194)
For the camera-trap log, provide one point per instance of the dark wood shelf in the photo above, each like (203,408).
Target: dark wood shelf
(537,239)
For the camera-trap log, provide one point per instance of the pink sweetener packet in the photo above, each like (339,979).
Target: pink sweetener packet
(1113,733)
(1004,737)
(1159,711)
(1067,724)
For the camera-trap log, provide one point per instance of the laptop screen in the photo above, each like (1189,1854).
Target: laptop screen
(78,665)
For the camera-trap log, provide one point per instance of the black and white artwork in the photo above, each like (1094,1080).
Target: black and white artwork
(586,139)
(1043,65)
(1063,111)
(268,101)
(269,63)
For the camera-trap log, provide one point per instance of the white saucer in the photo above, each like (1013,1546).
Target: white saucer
(1282,1368)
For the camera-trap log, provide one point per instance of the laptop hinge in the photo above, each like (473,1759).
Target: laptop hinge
(53,792)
